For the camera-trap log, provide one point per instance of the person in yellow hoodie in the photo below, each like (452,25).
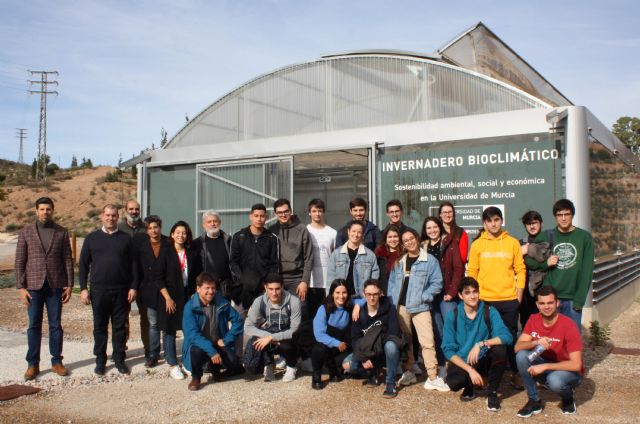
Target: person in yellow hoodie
(496,262)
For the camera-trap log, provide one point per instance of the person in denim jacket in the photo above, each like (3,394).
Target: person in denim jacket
(414,282)
(353,262)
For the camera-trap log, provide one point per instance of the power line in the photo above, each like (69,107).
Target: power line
(42,135)
(21,134)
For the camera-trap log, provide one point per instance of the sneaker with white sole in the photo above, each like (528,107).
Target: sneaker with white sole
(269,374)
(436,384)
(408,378)
(176,373)
(281,364)
(289,374)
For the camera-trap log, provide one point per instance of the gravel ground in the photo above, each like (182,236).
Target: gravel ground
(607,395)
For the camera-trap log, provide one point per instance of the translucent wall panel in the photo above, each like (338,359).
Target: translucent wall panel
(172,195)
(232,188)
(348,92)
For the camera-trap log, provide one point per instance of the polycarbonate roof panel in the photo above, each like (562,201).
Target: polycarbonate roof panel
(480,50)
(345,92)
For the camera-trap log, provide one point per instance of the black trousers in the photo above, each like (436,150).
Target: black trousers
(322,354)
(493,363)
(109,305)
(199,359)
(286,349)
(527,308)
(315,297)
(509,310)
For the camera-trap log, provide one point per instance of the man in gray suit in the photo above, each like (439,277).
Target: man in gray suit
(44,276)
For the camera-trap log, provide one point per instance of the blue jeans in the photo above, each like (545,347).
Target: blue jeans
(566,308)
(391,358)
(52,298)
(439,312)
(168,339)
(561,382)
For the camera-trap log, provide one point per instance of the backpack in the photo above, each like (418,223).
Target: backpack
(371,344)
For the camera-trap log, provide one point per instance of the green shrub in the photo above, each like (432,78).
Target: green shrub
(93,212)
(7,280)
(11,227)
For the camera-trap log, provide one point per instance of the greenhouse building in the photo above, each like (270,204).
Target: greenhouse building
(473,124)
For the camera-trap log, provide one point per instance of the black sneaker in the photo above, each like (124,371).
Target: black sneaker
(568,406)
(372,380)
(151,362)
(532,407)
(468,394)
(100,369)
(122,368)
(493,403)
(390,391)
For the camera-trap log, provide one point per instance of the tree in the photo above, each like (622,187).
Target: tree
(74,161)
(628,131)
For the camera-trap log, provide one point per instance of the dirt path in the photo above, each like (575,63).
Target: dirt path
(607,395)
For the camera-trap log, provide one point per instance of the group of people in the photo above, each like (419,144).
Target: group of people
(354,301)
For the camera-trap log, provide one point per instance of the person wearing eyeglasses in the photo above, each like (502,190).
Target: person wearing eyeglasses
(296,249)
(376,338)
(571,264)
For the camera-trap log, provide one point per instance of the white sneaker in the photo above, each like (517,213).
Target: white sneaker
(289,375)
(281,364)
(407,378)
(269,373)
(436,384)
(416,369)
(176,373)
(187,372)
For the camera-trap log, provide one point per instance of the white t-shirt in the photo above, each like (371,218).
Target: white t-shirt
(324,241)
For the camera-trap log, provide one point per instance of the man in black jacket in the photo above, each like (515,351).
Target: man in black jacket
(376,338)
(254,254)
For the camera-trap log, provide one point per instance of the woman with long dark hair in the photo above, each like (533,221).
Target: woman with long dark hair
(182,237)
(447,213)
(387,254)
(332,330)
(414,283)
(161,289)
(445,249)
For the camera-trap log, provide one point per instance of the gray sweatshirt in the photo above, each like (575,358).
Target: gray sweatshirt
(268,319)
(296,248)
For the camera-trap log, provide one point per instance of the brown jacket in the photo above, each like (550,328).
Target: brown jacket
(33,264)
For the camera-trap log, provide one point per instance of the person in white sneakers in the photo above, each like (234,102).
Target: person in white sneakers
(271,322)
(323,239)
(414,282)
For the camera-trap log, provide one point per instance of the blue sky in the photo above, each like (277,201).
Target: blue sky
(130,68)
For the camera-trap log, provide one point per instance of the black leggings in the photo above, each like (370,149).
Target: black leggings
(493,363)
(322,354)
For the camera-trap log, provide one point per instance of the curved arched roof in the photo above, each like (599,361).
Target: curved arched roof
(355,90)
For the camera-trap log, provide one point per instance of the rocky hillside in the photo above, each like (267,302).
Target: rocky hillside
(78,194)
